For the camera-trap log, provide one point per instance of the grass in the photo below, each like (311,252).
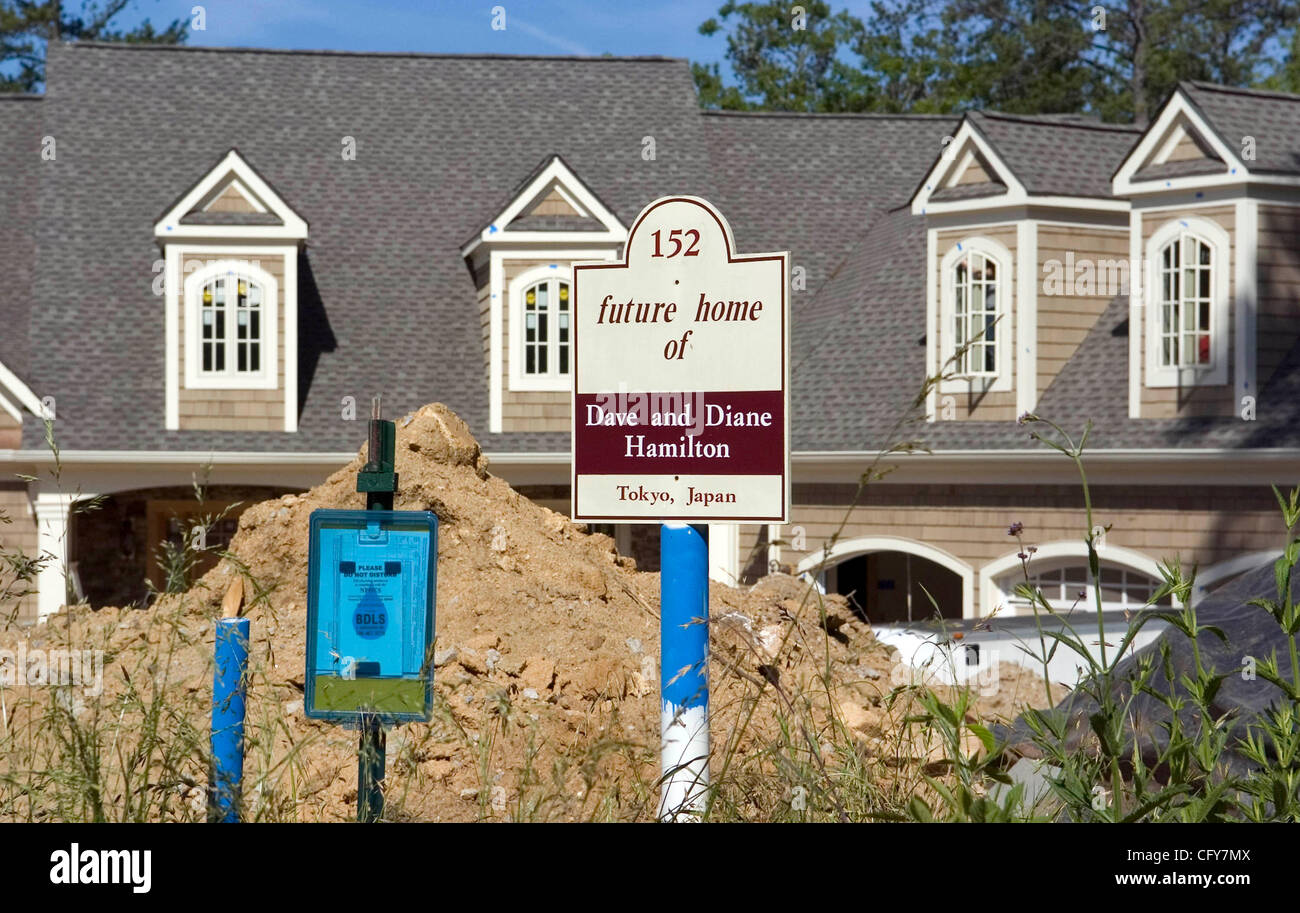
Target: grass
(785,750)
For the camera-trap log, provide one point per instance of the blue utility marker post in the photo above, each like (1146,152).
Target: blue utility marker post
(229,681)
(684,671)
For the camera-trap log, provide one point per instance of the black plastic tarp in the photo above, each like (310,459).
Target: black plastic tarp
(1252,635)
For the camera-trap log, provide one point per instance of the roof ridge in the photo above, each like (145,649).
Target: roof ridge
(1241,90)
(21,96)
(327,52)
(846,115)
(1057,120)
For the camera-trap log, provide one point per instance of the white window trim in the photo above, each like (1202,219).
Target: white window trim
(264,379)
(537,382)
(177,257)
(1051,554)
(1006,306)
(1156,374)
(1010,580)
(496,311)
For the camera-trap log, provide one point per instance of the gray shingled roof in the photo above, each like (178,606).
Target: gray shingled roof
(860,362)
(21,119)
(1272,118)
(859,359)
(814,183)
(386,301)
(1058,156)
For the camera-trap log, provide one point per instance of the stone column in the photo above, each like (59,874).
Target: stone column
(724,553)
(54,525)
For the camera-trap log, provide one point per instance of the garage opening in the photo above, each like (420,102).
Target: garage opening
(890,587)
(128,546)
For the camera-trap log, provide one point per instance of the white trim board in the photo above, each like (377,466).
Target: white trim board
(969,138)
(931,317)
(1245,302)
(844,549)
(952,161)
(1026,317)
(294,227)
(572,188)
(1177,109)
(1135,311)
(20,392)
(1238,174)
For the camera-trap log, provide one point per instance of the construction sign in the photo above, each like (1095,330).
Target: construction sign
(681,375)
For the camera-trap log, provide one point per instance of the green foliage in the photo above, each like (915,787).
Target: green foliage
(1110,772)
(27,26)
(788,68)
(1019,56)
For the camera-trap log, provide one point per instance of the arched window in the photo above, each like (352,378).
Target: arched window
(546,328)
(1066,582)
(541,329)
(975,285)
(230,327)
(975,324)
(1185,296)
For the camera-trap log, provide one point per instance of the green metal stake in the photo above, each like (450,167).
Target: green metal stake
(378,480)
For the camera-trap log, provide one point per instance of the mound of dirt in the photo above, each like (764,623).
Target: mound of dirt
(546,657)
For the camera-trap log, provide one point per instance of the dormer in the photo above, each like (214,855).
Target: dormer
(231,246)
(522,260)
(1214,185)
(1010,204)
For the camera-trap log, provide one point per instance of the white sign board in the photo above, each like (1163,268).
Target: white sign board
(681,362)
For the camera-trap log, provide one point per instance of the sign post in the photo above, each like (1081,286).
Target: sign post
(681,415)
(372,577)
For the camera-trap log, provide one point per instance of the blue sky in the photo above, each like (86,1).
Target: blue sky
(667,27)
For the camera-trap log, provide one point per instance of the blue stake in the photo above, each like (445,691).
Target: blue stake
(229,680)
(684,671)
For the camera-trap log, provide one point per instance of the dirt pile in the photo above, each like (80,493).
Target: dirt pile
(546,660)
